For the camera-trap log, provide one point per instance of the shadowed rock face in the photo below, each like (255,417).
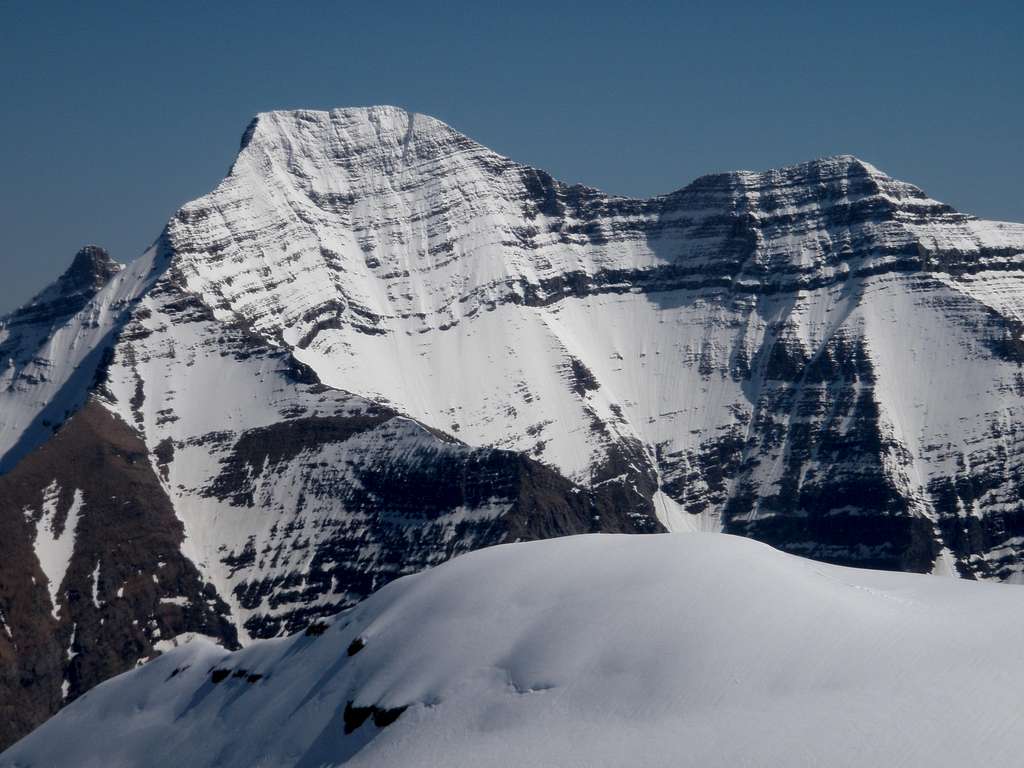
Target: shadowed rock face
(91,268)
(91,570)
(377,345)
(361,513)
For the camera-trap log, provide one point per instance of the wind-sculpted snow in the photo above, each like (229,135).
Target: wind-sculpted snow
(673,650)
(378,344)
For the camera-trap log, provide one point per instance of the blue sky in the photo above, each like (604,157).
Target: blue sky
(114,114)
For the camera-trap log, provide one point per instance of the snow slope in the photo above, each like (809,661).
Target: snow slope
(674,650)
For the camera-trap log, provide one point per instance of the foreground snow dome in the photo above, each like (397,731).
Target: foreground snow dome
(682,649)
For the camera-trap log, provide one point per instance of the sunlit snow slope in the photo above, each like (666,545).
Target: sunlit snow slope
(674,650)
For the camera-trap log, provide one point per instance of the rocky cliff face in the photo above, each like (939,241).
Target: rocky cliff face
(378,344)
(93,578)
(819,356)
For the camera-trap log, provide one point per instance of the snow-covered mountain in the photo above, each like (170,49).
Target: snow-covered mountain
(674,650)
(378,344)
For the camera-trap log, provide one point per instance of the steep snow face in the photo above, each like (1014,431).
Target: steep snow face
(299,499)
(674,650)
(390,216)
(739,347)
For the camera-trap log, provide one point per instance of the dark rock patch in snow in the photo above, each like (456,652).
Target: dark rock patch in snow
(354,716)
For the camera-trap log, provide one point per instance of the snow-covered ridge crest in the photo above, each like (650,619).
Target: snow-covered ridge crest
(672,650)
(391,221)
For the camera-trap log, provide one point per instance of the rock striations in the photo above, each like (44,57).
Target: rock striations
(377,344)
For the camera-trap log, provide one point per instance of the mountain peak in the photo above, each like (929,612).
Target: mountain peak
(350,130)
(91,267)
(376,140)
(816,185)
(845,164)
(402,216)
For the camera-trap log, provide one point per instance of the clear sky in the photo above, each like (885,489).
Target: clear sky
(114,114)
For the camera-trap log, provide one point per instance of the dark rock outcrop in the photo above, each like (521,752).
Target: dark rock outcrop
(89,506)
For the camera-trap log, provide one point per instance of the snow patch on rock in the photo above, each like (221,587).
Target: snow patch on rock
(55,544)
